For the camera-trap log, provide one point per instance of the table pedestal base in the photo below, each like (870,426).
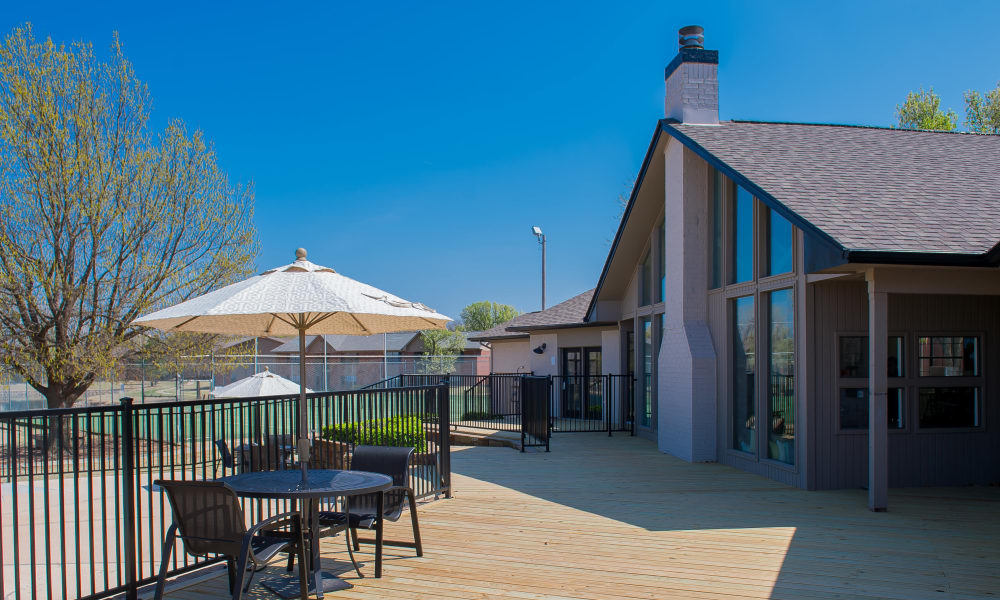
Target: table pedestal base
(288,587)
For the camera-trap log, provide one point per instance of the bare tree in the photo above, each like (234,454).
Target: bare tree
(100,220)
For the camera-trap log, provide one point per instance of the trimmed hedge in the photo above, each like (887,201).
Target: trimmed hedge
(474,415)
(393,431)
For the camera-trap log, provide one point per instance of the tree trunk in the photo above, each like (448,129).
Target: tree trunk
(57,438)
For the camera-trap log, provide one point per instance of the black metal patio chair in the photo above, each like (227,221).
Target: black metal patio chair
(387,460)
(208,519)
(225,457)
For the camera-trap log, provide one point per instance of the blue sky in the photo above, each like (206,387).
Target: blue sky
(413,145)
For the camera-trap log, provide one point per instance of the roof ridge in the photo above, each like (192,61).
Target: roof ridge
(849,126)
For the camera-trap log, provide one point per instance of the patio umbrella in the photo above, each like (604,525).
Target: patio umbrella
(264,383)
(291,300)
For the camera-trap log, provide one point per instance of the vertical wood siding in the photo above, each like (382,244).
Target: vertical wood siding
(916,458)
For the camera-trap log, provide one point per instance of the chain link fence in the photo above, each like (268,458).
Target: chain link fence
(150,383)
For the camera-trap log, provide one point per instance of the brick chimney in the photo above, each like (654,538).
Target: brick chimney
(692,80)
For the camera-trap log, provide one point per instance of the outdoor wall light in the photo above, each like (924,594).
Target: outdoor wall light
(539,349)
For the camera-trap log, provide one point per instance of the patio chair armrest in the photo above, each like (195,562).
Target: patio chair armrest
(294,517)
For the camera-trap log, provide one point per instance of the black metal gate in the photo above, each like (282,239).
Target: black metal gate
(535,392)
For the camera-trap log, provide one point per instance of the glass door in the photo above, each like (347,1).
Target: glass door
(593,383)
(572,388)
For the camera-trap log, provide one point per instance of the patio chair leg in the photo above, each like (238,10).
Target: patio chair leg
(350,552)
(354,536)
(416,525)
(241,570)
(168,547)
(291,562)
(231,568)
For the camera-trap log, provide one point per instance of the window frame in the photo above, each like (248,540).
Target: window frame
(950,381)
(757,287)
(902,383)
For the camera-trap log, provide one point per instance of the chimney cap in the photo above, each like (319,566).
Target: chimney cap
(691,36)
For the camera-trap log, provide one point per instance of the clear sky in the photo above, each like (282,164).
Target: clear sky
(413,145)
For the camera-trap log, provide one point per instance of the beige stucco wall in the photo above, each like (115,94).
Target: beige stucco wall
(511,356)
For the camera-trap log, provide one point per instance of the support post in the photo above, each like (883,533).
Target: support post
(444,434)
(128,500)
(878,431)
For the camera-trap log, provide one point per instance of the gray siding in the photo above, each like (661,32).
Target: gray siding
(916,458)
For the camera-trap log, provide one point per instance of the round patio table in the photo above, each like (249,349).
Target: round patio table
(321,484)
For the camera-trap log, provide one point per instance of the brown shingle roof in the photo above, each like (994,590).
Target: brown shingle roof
(870,189)
(570,312)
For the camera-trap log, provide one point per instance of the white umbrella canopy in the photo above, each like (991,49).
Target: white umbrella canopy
(264,383)
(293,299)
(279,301)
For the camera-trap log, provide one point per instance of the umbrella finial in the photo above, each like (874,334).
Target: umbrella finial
(300,254)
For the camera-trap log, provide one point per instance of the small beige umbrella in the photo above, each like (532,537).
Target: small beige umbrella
(293,299)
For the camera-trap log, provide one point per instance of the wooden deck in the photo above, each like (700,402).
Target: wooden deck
(602,518)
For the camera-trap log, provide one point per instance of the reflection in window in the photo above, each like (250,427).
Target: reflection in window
(941,356)
(646,376)
(744,421)
(781,369)
(779,244)
(715,277)
(646,280)
(943,407)
(854,356)
(742,237)
(854,408)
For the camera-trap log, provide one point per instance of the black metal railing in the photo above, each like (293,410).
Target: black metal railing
(81,518)
(583,403)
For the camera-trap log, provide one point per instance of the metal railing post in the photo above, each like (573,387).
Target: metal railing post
(607,401)
(444,434)
(128,500)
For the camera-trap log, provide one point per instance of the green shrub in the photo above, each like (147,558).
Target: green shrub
(475,415)
(393,431)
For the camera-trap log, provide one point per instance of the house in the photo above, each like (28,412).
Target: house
(818,304)
(555,341)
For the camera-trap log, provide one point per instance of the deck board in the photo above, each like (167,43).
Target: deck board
(605,518)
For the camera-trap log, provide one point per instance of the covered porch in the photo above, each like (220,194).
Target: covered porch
(603,517)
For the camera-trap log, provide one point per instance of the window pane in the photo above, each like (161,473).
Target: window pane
(715,278)
(646,378)
(895,360)
(742,237)
(949,407)
(854,356)
(948,356)
(646,280)
(744,421)
(854,408)
(779,244)
(781,368)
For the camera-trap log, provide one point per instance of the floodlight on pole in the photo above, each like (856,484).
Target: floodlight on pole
(537,232)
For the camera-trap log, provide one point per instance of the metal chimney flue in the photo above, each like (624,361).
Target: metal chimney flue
(692,36)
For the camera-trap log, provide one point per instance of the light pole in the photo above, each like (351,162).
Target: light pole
(541,240)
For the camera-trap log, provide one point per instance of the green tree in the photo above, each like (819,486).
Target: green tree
(441,349)
(480,316)
(922,110)
(101,220)
(982,111)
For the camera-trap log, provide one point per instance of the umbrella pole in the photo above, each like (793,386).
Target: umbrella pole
(303,408)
